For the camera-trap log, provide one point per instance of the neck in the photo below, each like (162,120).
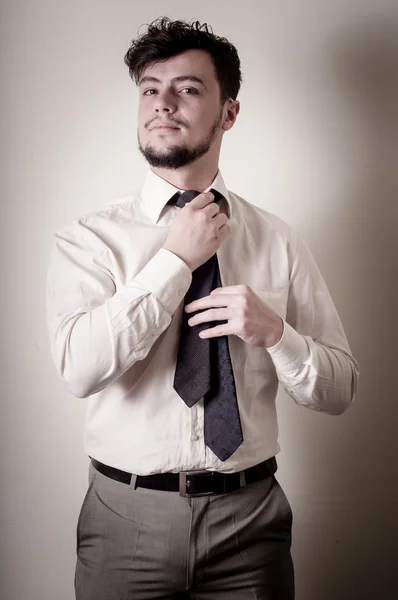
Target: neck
(196,176)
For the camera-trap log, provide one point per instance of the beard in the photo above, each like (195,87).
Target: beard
(179,156)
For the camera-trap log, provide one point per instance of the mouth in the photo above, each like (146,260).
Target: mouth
(166,128)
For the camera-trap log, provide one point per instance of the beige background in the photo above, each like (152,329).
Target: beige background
(316,143)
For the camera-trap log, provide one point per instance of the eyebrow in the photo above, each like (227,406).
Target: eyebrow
(179,79)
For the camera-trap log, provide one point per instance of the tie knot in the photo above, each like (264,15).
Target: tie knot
(182,199)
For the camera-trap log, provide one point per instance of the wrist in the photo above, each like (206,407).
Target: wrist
(166,247)
(276,334)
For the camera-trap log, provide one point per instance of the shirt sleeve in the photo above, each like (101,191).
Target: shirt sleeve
(97,331)
(313,360)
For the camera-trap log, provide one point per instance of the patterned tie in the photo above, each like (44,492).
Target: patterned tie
(204,366)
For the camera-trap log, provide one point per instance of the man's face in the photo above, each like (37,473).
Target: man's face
(180,112)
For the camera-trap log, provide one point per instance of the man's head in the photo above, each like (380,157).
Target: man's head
(188,79)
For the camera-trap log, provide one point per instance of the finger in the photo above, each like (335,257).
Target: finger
(224,232)
(220,220)
(212,209)
(229,289)
(217,331)
(207,316)
(202,200)
(212,301)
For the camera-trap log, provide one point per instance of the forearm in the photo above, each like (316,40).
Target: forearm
(92,348)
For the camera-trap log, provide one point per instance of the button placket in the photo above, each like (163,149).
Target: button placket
(197,420)
(194,422)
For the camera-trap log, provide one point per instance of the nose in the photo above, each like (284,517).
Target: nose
(165,102)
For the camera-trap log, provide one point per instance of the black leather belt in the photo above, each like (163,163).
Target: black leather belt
(193,483)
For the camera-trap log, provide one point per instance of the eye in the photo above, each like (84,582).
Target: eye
(150,90)
(189,89)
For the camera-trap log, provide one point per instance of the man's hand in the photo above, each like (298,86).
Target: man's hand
(248,316)
(197,231)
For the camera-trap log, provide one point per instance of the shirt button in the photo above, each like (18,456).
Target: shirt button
(194,437)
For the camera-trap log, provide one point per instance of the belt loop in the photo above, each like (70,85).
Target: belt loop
(133,482)
(242,479)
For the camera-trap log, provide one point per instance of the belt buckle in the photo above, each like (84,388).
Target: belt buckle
(184,483)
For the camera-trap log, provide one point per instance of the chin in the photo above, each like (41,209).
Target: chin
(158,151)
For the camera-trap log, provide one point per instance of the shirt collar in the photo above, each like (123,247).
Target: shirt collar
(156,192)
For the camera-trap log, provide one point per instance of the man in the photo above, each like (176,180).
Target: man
(178,312)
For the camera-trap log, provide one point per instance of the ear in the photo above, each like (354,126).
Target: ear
(233,108)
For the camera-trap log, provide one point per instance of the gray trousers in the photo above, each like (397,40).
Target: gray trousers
(139,544)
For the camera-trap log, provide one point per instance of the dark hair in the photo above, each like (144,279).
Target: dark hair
(166,38)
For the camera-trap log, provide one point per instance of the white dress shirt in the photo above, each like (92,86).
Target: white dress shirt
(114,303)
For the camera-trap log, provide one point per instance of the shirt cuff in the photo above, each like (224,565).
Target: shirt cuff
(167,277)
(289,354)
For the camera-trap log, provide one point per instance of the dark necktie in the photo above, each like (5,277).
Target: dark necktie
(204,366)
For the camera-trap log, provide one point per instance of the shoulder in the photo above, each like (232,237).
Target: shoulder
(261,220)
(100,223)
